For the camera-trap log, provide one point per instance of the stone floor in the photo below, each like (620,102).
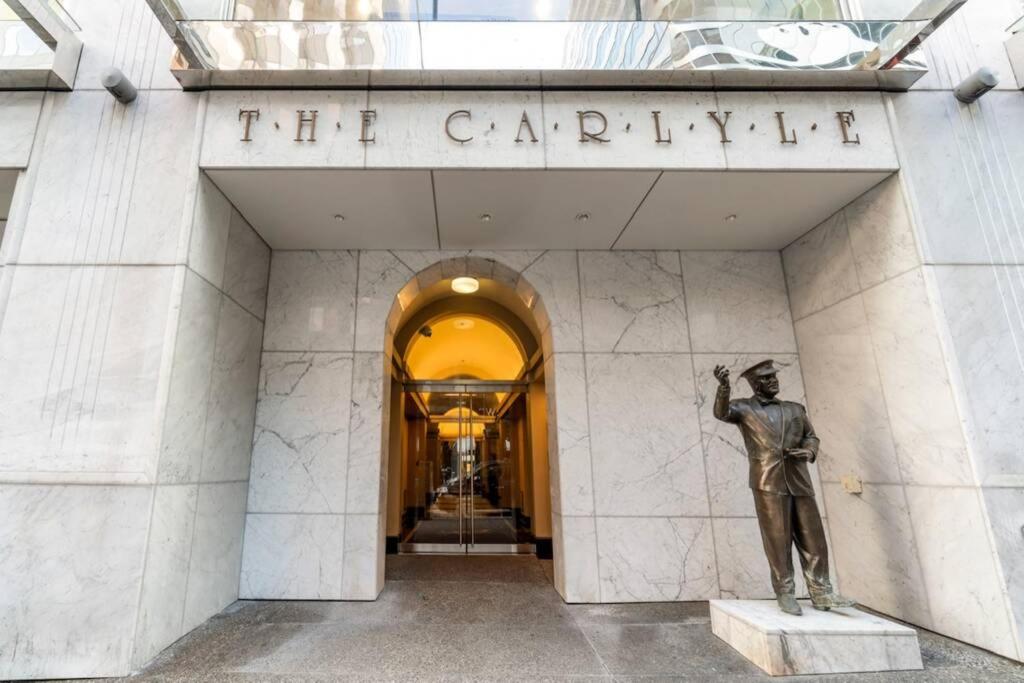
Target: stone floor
(491,618)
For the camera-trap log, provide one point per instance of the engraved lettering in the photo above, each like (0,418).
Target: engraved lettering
(846,119)
(780,115)
(657,129)
(247,115)
(304,120)
(366,119)
(461,113)
(592,136)
(714,116)
(525,121)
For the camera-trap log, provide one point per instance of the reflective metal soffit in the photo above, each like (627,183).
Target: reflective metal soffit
(784,44)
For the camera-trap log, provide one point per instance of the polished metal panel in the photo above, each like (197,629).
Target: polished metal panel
(38,48)
(550,43)
(303,45)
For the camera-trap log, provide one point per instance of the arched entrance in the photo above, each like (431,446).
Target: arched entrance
(467,425)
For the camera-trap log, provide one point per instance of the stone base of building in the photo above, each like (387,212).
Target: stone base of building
(840,641)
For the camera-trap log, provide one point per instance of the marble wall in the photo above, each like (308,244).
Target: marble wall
(650,500)
(131,306)
(916,542)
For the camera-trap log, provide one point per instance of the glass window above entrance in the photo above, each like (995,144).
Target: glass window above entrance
(557,43)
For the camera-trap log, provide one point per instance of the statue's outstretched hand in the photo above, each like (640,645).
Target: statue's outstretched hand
(722,375)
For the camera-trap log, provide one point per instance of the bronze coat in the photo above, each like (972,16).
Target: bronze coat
(770,427)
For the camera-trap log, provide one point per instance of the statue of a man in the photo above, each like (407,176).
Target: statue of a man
(780,442)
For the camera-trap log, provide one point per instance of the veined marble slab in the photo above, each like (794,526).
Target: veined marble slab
(839,641)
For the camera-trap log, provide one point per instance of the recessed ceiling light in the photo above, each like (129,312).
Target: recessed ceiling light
(486,218)
(464,324)
(338,217)
(583,217)
(465,285)
(731,217)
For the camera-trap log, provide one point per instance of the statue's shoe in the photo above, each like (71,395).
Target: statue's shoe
(788,604)
(831,600)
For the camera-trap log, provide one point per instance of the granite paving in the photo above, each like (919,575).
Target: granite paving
(491,618)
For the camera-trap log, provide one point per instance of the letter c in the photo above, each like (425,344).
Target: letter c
(448,125)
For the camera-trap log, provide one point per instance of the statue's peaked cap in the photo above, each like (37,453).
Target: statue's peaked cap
(762,369)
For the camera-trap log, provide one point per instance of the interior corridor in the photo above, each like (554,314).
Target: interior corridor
(491,618)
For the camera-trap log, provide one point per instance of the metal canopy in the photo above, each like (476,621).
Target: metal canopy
(859,44)
(38,46)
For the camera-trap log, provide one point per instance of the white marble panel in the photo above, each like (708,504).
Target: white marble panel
(820,268)
(81,351)
(311,302)
(569,442)
(658,559)
(742,567)
(211,223)
(123,199)
(631,134)
(166,577)
(59,229)
(728,466)
(844,395)
(875,551)
(983,315)
(554,276)
(246,267)
(1005,508)
(575,548)
(382,275)
(737,302)
(970,39)
(968,599)
(957,162)
(274,135)
(923,416)
(881,234)
(633,301)
(181,445)
(363,560)
(120,33)
(410,129)
(834,642)
(19,114)
(300,451)
(227,446)
(757,142)
(154,191)
(216,551)
(365,477)
(70,566)
(645,435)
(292,557)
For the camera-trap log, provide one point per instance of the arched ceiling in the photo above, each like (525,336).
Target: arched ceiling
(464,346)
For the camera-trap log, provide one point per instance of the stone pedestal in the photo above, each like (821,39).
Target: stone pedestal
(839,641)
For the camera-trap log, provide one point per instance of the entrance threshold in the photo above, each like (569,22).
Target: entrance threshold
(461,549)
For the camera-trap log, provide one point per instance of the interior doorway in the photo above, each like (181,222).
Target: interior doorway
(472,478)
(468,469)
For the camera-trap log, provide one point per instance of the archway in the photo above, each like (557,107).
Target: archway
(466,437)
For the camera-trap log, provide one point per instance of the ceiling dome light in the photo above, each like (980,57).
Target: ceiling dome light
(340,218)
(486,218)
(464,324)
(465,285)
(583,217)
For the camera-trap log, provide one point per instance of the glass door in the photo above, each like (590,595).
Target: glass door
(467,476)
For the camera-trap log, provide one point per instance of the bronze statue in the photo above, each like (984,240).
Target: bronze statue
(780,442)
